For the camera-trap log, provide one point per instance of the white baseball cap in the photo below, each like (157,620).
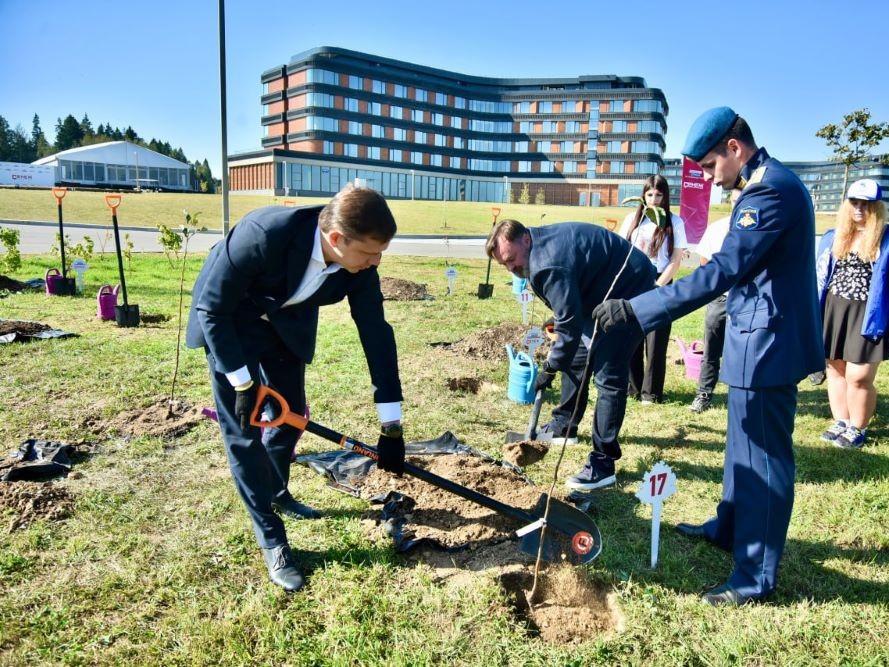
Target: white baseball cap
(866,189)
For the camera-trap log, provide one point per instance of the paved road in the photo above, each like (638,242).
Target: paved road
(38,237)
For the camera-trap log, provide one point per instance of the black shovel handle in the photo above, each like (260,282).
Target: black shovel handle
(535,415)
(302,423)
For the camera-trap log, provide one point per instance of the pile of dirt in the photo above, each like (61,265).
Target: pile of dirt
(21,327)
(11,284)
(568,608)
(27,502)
(490,344)
(161,419)
(524,453)
(153,318)
(396,289)
(472,385)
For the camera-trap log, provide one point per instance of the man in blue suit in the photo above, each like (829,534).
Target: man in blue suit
(255,312)
(572,267)
(767,264)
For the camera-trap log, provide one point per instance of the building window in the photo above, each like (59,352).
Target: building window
(377,131)
(373,152)
(419,137)
(647,168)
(546,167)
(399,90)
(350,104)
(616,106)
(648,105)
(379,87)
(354,128)
(524,166)
(322,76)
(399,134)
(416,157)
(645,147)
(619,126)
(545,107)
(520,147)
(441,99)
(567,146)
(438,119)
(435,160)
(417,115)
(327,148)
(612,147)
(550,126)
(457,122)
(356,82)
(396,112)
(572,126)
(395,154)
(458,142)
(526,127)
(375,108)
(420,95)
(320,100)
(459,102)
(441,140)
(524,107)
(617,167)
(569,167)
(350,150)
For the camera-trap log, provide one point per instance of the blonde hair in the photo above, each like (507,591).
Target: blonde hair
(875,221)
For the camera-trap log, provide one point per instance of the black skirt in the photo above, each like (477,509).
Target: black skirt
(842,333)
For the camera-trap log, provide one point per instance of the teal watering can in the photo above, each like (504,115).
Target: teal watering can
(522,372)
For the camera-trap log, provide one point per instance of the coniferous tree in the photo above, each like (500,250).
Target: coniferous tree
(86,126)
(69,134)
(5,146)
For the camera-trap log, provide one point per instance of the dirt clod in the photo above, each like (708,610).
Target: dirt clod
(490,343)
(396,289)
(26,502)
(524,453)
(472,385)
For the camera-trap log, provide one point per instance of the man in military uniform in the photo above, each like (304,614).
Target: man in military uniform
(767,264)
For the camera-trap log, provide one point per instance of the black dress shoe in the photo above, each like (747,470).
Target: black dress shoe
(282,568)
(691,530)
(295,509)
(724,596)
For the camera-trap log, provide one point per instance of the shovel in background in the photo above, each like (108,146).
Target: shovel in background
(569,533)
(531,433)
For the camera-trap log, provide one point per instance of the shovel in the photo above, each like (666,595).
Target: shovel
(569,534)
(531,434)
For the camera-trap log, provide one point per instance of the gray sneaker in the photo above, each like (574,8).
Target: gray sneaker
(852,438)
(596,474)
(555,433)
(702,402)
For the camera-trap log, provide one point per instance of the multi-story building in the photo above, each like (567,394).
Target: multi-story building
(331,116)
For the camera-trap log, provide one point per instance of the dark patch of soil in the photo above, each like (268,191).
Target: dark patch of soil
(396,289)
(157,318)
(524,453)
(21,327)
(160,419)
(472,385)
(11,284)
(491,344)
(567,609)
(29,501)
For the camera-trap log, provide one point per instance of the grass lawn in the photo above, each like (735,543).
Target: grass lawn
(156,562)
(149,209)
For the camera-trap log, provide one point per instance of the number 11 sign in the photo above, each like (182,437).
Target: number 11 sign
(658,484)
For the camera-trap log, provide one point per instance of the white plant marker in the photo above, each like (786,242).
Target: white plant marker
(532,340)
(79,265)
(525,298)
(658,484)
(451,274)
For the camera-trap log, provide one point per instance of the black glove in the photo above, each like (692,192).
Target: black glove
(245,401)
(615,314)
(391,449)
(544,378)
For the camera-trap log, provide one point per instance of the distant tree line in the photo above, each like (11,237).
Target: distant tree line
(16,145)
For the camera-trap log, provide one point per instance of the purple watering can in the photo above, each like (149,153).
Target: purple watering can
(106,300)
(692,355)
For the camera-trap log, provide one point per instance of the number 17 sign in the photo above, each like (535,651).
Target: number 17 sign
(658,484)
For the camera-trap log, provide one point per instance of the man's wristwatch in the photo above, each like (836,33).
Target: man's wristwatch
(392,430)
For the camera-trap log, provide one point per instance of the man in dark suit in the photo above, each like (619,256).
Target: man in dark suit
(767,264)
(255,312)
(572,266)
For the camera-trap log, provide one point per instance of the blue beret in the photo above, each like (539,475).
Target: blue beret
(707,130)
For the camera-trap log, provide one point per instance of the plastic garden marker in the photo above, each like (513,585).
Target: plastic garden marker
(451,273)
(80,266)
(658,484)
(525,298)
(532,340)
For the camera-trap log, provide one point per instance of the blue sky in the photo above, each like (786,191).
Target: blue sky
(788,67)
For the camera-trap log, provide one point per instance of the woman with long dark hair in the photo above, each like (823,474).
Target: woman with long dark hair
(663,242)
(852,268)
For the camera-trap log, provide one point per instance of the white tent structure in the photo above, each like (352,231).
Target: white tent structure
(119,164)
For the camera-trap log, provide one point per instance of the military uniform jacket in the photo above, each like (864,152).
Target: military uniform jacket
(767,264)
(571,268)
(252,273)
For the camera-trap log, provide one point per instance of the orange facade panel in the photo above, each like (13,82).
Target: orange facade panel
(275,85)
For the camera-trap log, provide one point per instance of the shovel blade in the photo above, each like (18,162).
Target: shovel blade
(570,536)
(513,436)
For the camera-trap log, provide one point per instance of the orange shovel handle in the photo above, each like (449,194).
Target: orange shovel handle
(112,201)
(286,416)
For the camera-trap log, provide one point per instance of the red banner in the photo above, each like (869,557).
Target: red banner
(694,202)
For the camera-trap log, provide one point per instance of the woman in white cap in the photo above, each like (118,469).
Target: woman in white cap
(853,284)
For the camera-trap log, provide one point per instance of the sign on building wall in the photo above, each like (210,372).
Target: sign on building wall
(27,175)
(694,202)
